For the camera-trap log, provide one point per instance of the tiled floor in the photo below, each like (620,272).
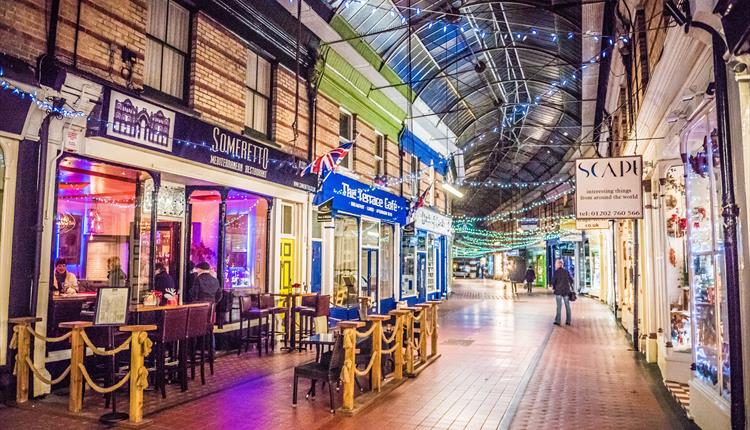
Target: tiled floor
(500,356)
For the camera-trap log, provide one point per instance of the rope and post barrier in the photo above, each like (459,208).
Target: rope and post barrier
(377,347)
(21,342)
(398,368)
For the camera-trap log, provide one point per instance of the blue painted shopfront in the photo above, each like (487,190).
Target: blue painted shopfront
(366,221)
(424,258)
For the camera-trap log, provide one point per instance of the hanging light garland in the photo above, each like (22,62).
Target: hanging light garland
(41,104)
(505,214)
(514,184)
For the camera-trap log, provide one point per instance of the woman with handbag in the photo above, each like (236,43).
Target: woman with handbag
(562,284)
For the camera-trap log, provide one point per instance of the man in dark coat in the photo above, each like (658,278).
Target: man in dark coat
(163,281)
(529,278)
(562,285)
(206,288)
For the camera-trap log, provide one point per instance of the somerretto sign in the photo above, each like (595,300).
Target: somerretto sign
(609,188)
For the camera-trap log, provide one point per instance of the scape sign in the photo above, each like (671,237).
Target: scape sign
(609,188)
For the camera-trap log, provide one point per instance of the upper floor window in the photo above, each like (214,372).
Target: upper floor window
(379,155)
(167,32)
(258,89)
(415,177)
(346,134)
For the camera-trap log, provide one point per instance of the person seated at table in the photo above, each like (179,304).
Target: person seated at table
(64,282)
(163,282)
(206,288)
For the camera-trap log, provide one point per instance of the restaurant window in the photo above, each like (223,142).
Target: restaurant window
(386,261)
(99,208)
(408,267)
(345,252)
(346,131)
(245,240)
(246,236)
(166,47)
(380,155)
(258,93)
(317,226)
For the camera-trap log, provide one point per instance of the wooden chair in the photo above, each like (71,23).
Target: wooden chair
(171,331)
(196,337)
(327,370)
(250,311)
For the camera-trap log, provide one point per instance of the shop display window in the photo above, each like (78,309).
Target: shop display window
(431,246)
(246,231)
(706,254)
(99,210)
(345,249)
(678,288)
(408,267)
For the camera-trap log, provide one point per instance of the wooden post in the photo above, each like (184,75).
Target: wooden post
(377,348)
(75,399)
(349,329)
(23,344)
(398,368)
(424,309)
(409,319)
(140,347)
(434,337)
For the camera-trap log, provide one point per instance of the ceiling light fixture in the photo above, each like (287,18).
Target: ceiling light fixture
(451,189)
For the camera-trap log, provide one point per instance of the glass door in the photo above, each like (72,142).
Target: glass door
(369,279)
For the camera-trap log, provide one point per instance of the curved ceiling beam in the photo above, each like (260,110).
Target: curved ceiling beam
(479,118)
(553,9)
(476,52)
(510,81)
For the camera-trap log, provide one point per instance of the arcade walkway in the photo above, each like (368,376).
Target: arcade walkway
(503,365)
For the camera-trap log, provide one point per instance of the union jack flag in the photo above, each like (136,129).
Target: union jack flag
(418,204)
(328,162)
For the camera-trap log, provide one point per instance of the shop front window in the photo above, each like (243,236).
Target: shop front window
(706,255)
(246,231)
(678,288)
(345,249)
(99,212)
(408,266)
(431,245)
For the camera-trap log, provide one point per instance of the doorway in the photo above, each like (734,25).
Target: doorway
(369,280)
(287,265)
(421,275)
(168,235)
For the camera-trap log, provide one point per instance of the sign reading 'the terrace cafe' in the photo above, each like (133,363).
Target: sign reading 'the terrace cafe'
(609,188)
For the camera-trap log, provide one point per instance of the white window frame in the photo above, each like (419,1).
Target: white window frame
(380,148)
(164,44)
(346,163)
(252,92)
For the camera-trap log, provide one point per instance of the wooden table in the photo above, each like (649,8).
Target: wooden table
(144,308)
(290,300)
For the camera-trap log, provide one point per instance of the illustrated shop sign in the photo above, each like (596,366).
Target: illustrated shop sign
(425,219)
(357,198)
(609,188)
(141,123)
(137,121)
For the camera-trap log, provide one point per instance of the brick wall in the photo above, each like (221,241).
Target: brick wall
(283,113)
(217,74)
(326,125)
(22,29)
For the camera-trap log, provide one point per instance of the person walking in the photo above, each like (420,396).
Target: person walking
(529,278)
(562,286)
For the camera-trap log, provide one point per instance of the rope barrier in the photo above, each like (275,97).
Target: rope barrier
(366,370)
(97,388)
(389,339)
(48,339)
(388,351)
(367,333)
(43,378)
(125,345)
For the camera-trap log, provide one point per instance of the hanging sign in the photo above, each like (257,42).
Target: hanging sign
(325,211)
(592,224)
(425,219)
(609,188)
(361,199)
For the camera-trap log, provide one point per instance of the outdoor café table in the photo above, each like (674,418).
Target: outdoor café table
(290,300)
(320,340)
